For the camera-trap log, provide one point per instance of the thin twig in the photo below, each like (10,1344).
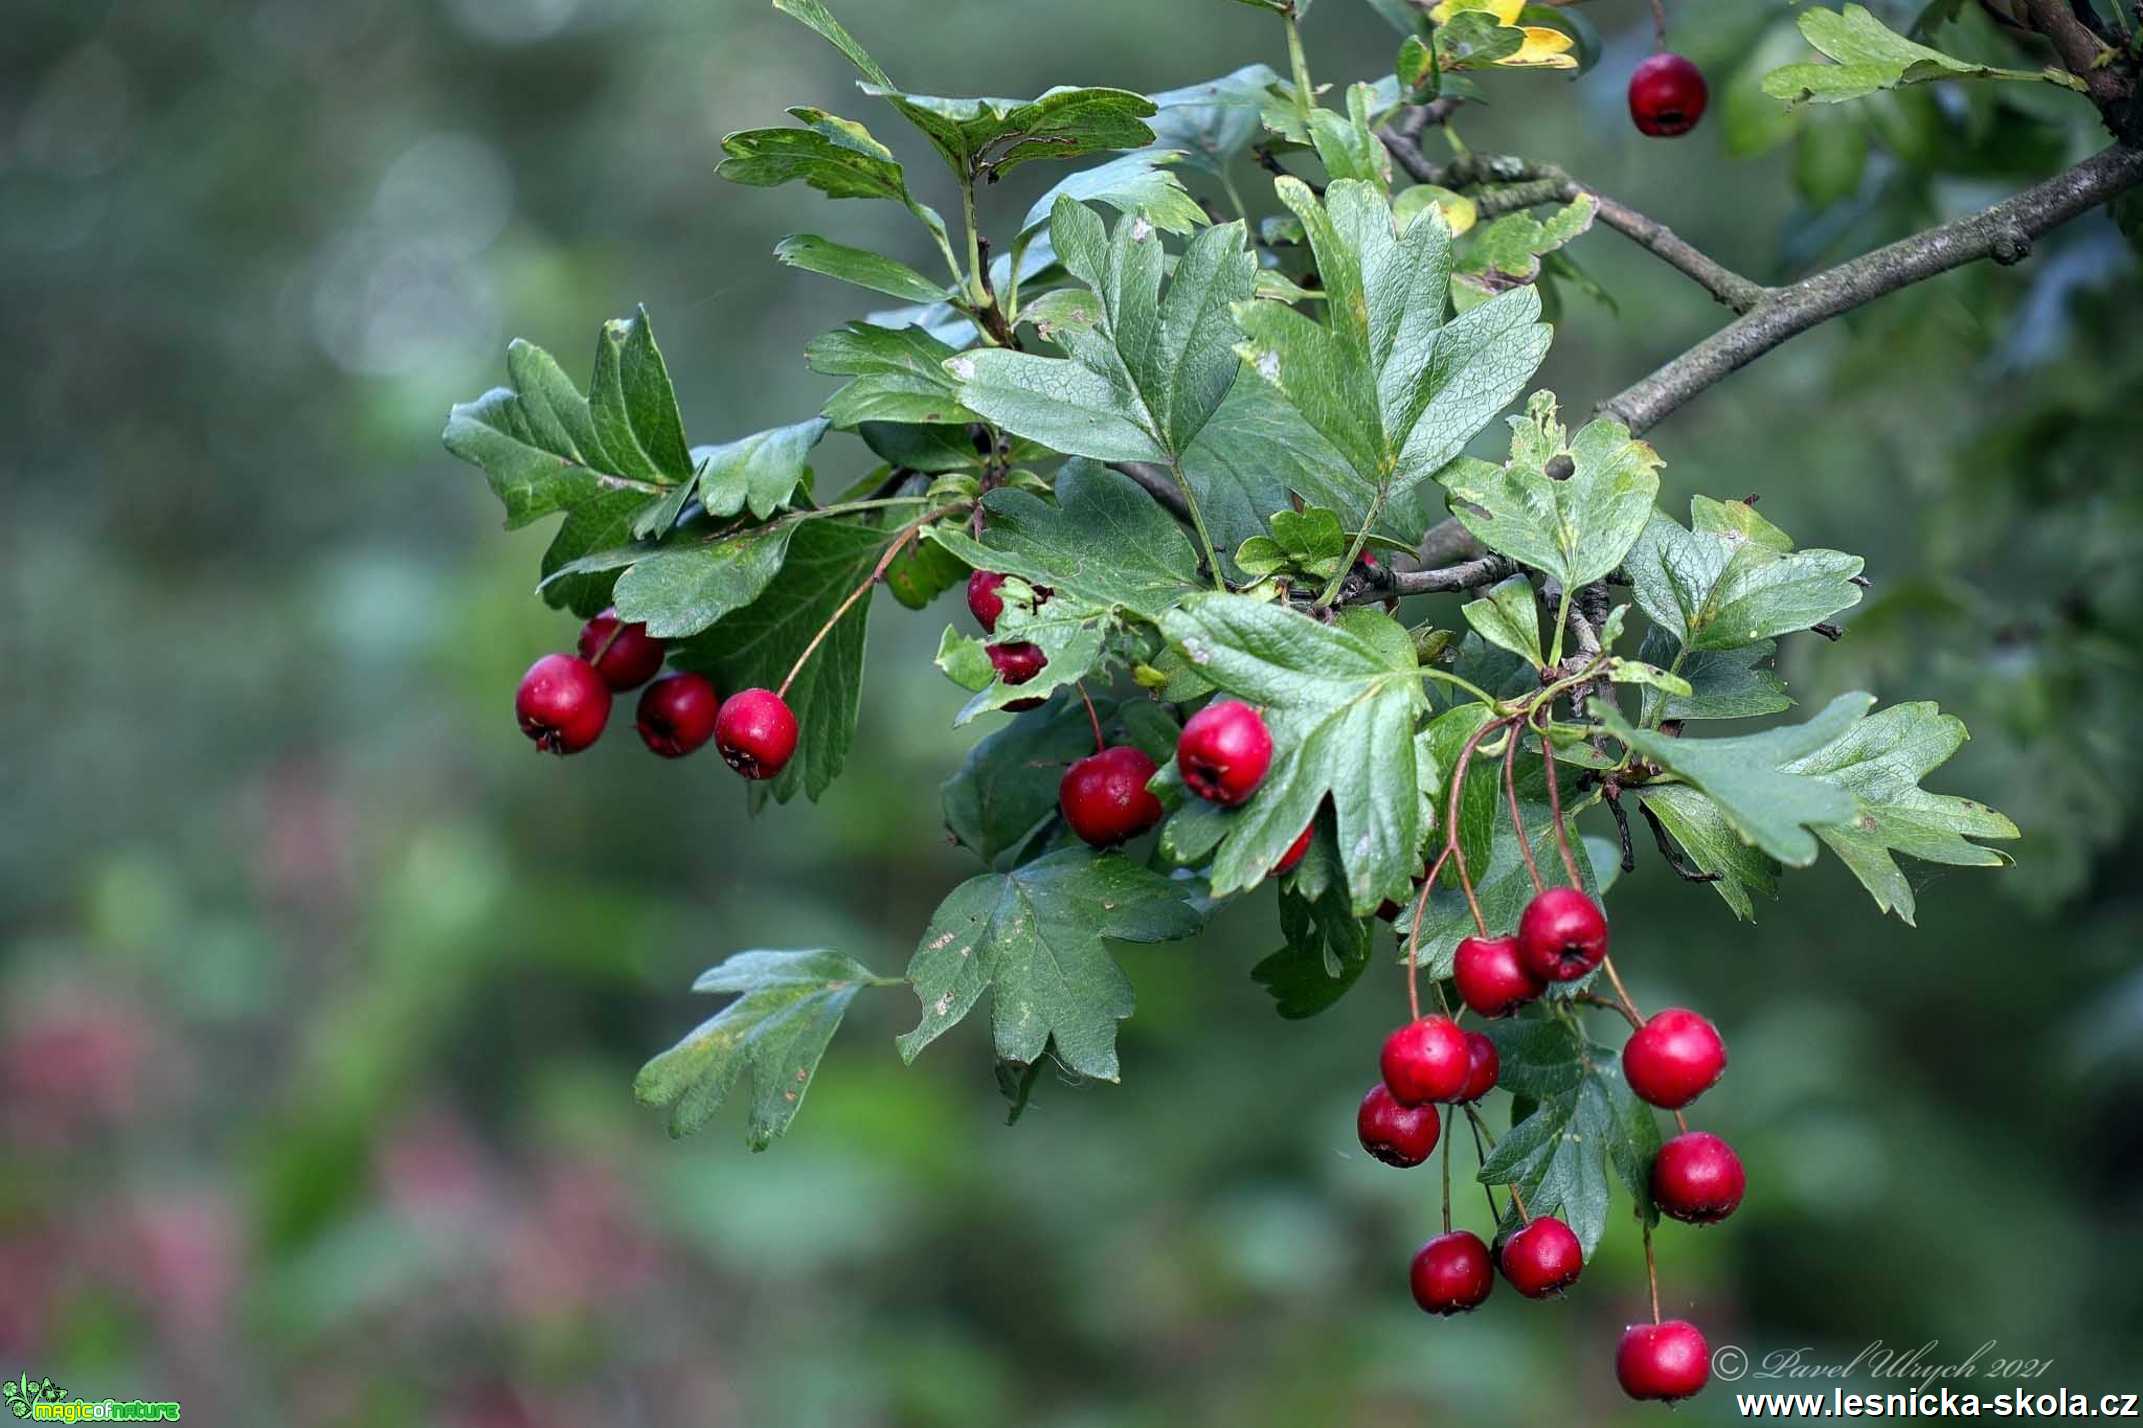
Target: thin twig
(1667,850)
(1451,842)
(906,534)
(1594,999)
(1555,804)
(1651,1270)
(1629,1007)
(1510,794)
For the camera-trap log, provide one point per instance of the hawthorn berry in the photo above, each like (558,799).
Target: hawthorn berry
(985,604)
(1490,977)
(1223,752)
(1016,662)
(625,655)
(562,703)
(1663,1361)
(1482,1068)
(1292,858)
(677,714)
(1667,96)
(1542,1257)
(1451,1274)
(1105,799)
(756,733)
(1395,1134)
(1697,1178)
(1426,1060)
(1562,935)
(1675,1057)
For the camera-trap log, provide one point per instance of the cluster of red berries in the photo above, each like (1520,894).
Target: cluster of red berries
(1016,661)
(1667,95)
(564,702)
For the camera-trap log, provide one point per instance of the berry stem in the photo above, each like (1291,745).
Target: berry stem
(617,628)
(1451,847)
(1510,795)
(1651,1271)
(1092,718)
(1447,1171)
(1659,34)
(900,540)
(1480,1155)
(1518,1200)
(1622,993)
(1555,809)
(1594,999)
(1681,1122)
(1413,938)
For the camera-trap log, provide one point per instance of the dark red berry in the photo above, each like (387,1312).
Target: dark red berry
(1675,1057)
(626,656)
(562,704)
(1451,1273)
(677,714)
(756,733)
(1395,1134)
(1426,1060)
(1490,977)
(986,604)
(1105,799)
(1562,935)
(1017,662)
(1667,96)
(1542,1257)
(1223,752)
(1292,858)
(1696,1177)
(1663,1361)
(1482,1068)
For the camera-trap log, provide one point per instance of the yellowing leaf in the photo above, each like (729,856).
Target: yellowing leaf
(1543,49)
(1505,11)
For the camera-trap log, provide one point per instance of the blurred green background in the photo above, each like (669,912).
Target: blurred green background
(322,995)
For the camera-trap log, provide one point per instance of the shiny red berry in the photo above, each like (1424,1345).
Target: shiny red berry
(1562,935)
(1696,1177)
(1482,1068)
(677,714)
(625,655)
(1017,662)
(986,604)
(562,704)
(1105,799)
(1451,1273)
(1667,96)
(1426,1060)
(1292,858)
(1542,1257)
(1490,977)
(1663,1361)
(1223,752)
(756,733)
(1675,1057)
(1395,1134)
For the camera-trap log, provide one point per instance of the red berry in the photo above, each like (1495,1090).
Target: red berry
(1105,798)
(1562,935)
(756,733)
(629,655)
(677,714)
(1543,1257)
(1451,1273)
(1224,752)
(1663,1361)
(1491,978)
(1395,1134)
(1292,858)
(1016,663)
(1697,1177)
(1675,1057)
(1427,1060)
(1482,1068)
(985,604)
(1667,96)
(562,703)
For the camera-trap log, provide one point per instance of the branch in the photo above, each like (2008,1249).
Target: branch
(1159,485)
(2004,232)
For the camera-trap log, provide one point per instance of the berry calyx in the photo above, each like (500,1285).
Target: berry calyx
(1395,1134)
(1223,752)
(562,704)
(1426,1060)
(1542,1257)
(1451,1273)
(1482,1068)
(1292,858)
(625,655)
(986,604)
(1491,978)
(1667,96)
(756,733)
(1663,1361)
(677,714)
(1105,799)
(1675,1057)
(1697,1178)
(1562,935)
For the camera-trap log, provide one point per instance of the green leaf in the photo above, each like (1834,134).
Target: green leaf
(1340,702)
(923,571)
(1215,121)
(836,156)
(1033,937)
(1070,633)
(1474,39)
(1734,579)
(1723,684)
(1142,383)
(1880,762)
(1311,541)
(1509,618)
(1142,183)
(899,376)
(1395,389)
(990,137)
(1348,146)
(1713,845)
(1508,251)
(1869,56)
(860,266)
(787,1008)
(1749,776)
(815,14)
(1575,529)
(759,472)
(1255,450)
(680,591)
(1326,952)
(1003,800)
